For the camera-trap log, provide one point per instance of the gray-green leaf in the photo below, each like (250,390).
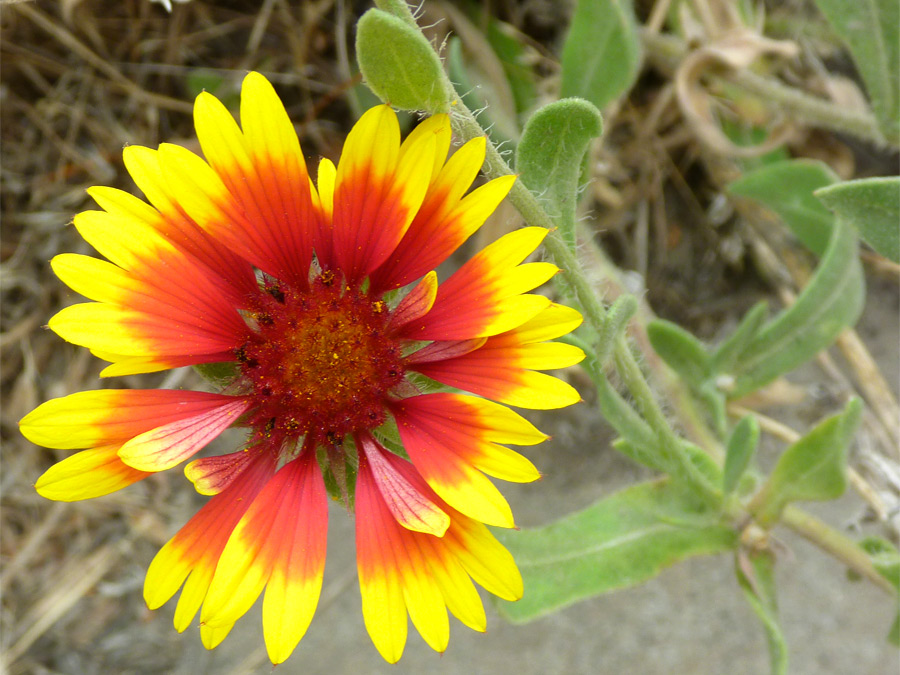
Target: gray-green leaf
(871,29)
(872,206)
(739,451)
(814,468)
(831,302)
(601,56)
(548,158)
(683,353)
(787,188)
(618,542)
(727,353)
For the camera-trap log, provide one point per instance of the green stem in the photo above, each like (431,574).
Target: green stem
(835,543)
(634,380)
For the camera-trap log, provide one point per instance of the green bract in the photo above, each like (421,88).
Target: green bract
(399,64)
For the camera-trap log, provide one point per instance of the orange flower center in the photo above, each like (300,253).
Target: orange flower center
(320,361)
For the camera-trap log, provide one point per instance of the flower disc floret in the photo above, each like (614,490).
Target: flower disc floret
(319,361)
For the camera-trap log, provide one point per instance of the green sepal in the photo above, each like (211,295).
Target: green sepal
(220,374)
(341,488)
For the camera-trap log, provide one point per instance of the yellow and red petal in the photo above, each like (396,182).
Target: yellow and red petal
(129,332)
(87,474)
(280,541)
(447,449)
(106,416)
(409,507)
(424,245)
(212,636)
(467,428)
(264,173)
(144,166)
(377,192)
(444,221)
(484,558)
(438,128)
(170,444)
(207,327)
(132,365)
(131,234)
(191,556)
(500,373)
(500,369)
(484,297)
(383,567)
(211,475)
(417,303)
(323,237)
(555,321)
(400,569)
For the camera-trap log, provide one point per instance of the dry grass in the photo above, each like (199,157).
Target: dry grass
(81,80)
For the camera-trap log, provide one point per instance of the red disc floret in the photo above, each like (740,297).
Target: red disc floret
(319,361)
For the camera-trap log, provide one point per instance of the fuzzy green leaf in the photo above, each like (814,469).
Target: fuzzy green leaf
(831,302)
(812,469)
(618,542)
(399,64)
(739,452)
(683,353)
(726,355)
(548,158)
(787,188)
(601,56)
(872,206)
(871,29)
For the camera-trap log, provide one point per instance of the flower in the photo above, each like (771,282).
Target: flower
(241,259)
